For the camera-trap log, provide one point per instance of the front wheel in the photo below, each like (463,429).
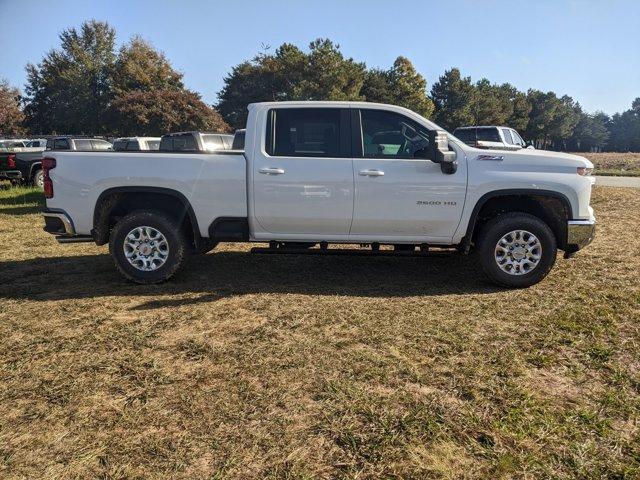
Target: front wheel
(517,249)
(148,247)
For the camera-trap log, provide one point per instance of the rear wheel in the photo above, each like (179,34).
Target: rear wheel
(517,249)
(148,247)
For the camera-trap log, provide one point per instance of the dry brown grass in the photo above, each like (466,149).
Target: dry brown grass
(611,163)
(248,366)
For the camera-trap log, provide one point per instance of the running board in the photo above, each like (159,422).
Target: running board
(373,252)
(75,239)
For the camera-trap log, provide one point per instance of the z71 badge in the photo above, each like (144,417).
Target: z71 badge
(436,203)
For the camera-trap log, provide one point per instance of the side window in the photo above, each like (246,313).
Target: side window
(391,135)
(133,145)
(517,139)
(153,144)
(101,145)
(304,132)
(61,144)
(49,144)
(507,136)
(82,144)
(212,142)
(226,139)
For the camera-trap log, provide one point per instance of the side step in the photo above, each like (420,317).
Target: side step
(75,239)
(278,248)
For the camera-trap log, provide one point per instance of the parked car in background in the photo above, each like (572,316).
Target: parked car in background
(22,165)
(136,143)
(78,143)
(326,172)
(40,143)
(238,139)
(195,142)
(11,143)
(500,138)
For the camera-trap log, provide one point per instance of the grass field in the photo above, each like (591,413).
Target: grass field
(248,366)
(617,164)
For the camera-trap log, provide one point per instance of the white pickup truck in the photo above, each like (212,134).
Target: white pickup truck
(319,173)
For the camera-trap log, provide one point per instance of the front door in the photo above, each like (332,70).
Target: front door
(399,193)
(303,180)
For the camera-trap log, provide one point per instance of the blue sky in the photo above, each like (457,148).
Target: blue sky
(587,49)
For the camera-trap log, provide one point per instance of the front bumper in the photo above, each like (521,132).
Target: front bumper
(11,175)
(580,233)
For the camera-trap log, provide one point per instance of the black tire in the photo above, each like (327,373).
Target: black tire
(500,226)
(37,180)
(176,240)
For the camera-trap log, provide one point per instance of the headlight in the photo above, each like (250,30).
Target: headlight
(584,171)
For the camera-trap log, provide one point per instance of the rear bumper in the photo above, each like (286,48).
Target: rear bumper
(11,175)
(59,223)
(580,233)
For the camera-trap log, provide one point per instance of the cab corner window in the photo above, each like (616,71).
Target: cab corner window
(304,132)
(391,135)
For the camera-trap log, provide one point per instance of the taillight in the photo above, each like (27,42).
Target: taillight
(584,171)
(11,160)
(48,164)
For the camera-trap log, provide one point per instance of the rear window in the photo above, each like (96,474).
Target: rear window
(486,134)
(467,135)
(153,144)
(179,143)
(133,145)
(61,144)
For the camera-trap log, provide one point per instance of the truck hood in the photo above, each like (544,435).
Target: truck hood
(546,157)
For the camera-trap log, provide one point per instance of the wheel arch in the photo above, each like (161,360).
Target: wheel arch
(537,202)
(32,169)
(117,200)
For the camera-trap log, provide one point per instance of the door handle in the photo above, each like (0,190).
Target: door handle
(272,171)
(371,173)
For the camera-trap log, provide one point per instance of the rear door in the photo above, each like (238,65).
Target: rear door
(303,175)
(398,192)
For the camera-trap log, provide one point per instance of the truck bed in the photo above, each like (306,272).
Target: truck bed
(214,183)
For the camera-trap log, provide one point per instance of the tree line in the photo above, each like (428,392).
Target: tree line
(86,86)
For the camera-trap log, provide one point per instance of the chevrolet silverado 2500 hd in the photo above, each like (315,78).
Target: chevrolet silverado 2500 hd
(317,173)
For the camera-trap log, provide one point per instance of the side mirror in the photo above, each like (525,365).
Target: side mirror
(440,153)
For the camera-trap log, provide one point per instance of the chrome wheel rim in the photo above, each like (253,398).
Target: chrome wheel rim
(40,179)
(518,252)
(146,248)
